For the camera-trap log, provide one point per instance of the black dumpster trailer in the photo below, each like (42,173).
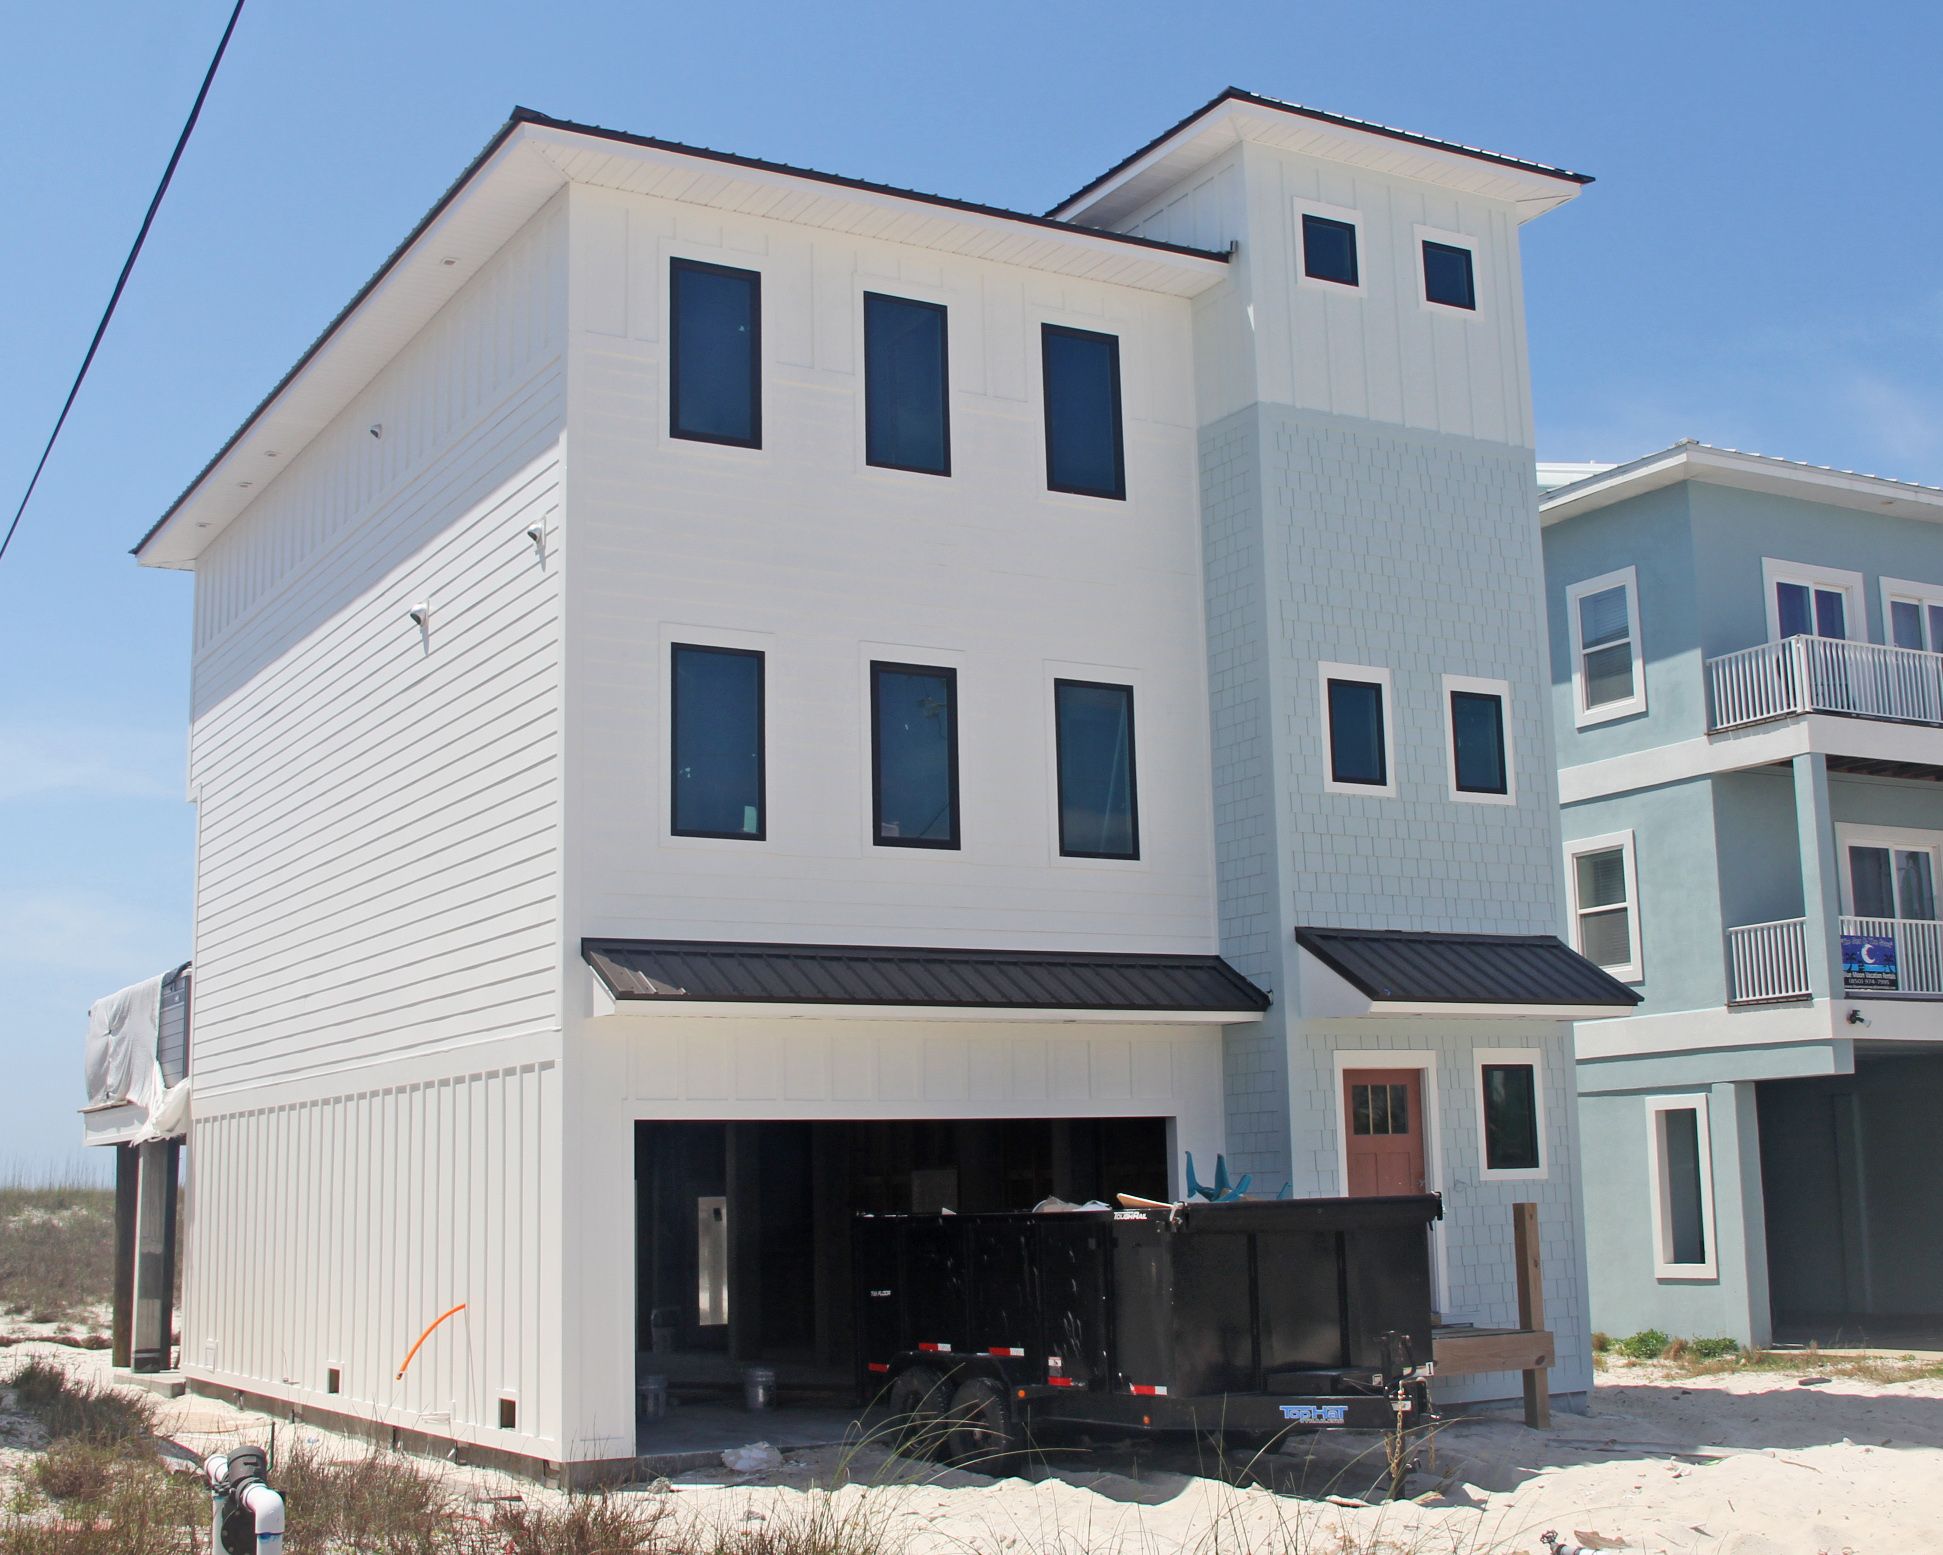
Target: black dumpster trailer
(1250,1319)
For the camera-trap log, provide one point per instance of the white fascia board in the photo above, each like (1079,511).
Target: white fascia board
(704,1009)
(1683,1031)
(509,188)
(1748,472)
(1762,745)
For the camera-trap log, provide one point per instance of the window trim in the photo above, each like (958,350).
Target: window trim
(1469,243)
(1511,1056)
(1472,685)
(956,840)
(677,262)
(1133,770)
(1365,673)
(1922,595)
(1898,839)
(1119,494)
(1855,615)
(944,377)
(1348,216)
(1634,704)
(675,649)
(1663,1266)
(1633,971)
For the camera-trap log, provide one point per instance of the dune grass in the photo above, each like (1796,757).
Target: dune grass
(57,1247)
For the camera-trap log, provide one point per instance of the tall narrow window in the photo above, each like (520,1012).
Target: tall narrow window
(1680,1176)
(1356,730)
(1512,1128)
(1329,250)
(717,742)
(1085,453)
(1603,615)
(1447,276)
(1604,890)
(1098,817)
(907,418)
(1480,741)
(914,756)
(715,353)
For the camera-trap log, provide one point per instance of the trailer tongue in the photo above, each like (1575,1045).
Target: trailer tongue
(1251,1319)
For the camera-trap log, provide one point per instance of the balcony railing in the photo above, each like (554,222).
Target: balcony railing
(1824,675)
(1914,964)
(1767,962)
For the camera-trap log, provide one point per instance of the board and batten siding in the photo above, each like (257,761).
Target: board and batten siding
(823,562)
(329,1234)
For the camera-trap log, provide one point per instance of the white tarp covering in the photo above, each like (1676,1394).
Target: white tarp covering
(120,1063)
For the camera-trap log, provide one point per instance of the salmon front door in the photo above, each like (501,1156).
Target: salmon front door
(1383,1109)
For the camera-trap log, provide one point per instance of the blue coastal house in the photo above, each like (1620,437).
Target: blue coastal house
(1747,682)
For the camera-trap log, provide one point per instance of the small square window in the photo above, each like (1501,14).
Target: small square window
(1356,730)
(1447,276)
(1329,249)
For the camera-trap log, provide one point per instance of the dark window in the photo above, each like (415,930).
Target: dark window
(1477,735)
(1094,733)
(907,421)
(1356,753)
(1329,250)
(714,347)
(1682,1209)
(914,756)
(716,719)
(1806,611)
(1379,1109)
(1084,453)
(1510,1118)
(1447,276)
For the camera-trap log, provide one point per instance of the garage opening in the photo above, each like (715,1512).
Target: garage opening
(743,1229)
(1850,1177)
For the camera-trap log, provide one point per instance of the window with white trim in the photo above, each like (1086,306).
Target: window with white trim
(1329,242)
(1608,677)
(1889,872)
(1511,1114)
(1680,1177)
(1806,601)
(1477,728)
(1602,885)
(1357,738)
(1912,614)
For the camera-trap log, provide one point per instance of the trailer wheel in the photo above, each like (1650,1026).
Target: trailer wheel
(985,1430)
(917,1403)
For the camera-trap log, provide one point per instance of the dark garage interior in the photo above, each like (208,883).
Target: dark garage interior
(1850,1173)
(743,1229)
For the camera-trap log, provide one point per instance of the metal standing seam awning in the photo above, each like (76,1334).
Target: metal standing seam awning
(704,975)
(1399,971)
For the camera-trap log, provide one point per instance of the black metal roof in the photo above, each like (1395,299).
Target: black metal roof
(1398,966)
(1235,94)
(716,971)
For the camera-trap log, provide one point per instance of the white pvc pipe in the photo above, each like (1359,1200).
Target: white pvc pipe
(267,1508)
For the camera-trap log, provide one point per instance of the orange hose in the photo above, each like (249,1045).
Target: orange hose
(423,1337)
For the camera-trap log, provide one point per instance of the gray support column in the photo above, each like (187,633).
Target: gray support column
(121,1350)
(1740,1208)
(1821,889)
(154,1294)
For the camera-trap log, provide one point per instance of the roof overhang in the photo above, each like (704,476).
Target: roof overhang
(1749,472)
(1351,972)
(1116,196)
(524,165)
(714,978)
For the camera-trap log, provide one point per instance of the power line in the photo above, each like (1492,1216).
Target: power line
(122,280)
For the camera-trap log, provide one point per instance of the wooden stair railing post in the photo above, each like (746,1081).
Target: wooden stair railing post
(1531,1310)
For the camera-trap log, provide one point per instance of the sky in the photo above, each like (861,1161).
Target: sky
(1757,266)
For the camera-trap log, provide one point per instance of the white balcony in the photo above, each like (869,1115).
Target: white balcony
(1824,675)
(1768,962)
(1917,944)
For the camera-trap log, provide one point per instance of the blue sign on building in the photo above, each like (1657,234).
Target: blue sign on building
(1868,961)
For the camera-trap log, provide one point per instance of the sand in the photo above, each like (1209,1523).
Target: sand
(1750,1463)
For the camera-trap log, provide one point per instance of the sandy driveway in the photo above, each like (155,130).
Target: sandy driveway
(1740,1464)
